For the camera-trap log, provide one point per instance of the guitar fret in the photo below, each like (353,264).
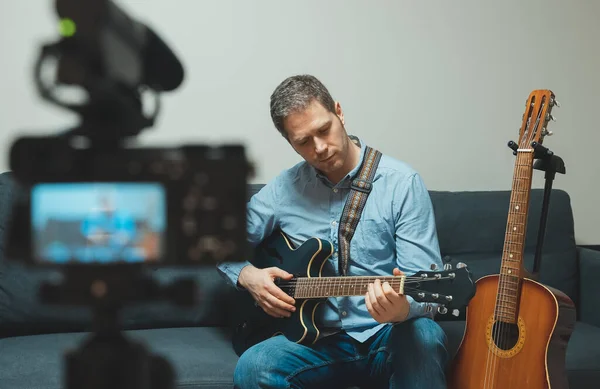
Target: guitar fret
(505,317)
(504,288)
(507,283)
(504,292)
(506,298)
(511,242)
(510,272)
(511,303)
(504,311)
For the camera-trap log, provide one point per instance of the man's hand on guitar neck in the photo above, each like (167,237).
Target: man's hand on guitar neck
(384,304)
(260,283)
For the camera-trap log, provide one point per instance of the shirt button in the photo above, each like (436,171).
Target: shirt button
(335,190)
(333,223)
(344,313)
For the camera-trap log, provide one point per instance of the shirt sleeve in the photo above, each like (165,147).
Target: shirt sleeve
(417,246)
(261,221)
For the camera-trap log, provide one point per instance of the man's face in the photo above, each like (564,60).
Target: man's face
(106,206)
(319,137)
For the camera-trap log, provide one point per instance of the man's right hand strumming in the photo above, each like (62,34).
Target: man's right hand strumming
(261,285)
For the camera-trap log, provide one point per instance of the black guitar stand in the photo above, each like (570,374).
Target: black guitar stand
(547,161)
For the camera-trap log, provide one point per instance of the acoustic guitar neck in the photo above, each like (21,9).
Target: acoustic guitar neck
(533,128)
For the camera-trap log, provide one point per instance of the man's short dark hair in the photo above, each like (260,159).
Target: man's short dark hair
(294,94)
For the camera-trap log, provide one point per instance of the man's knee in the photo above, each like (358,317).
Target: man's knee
(418,346)
(258,367)
(422,334)
(252,368)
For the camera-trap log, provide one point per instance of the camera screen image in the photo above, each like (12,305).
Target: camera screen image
(98,223)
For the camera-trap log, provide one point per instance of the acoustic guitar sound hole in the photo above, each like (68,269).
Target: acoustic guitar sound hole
(505,335)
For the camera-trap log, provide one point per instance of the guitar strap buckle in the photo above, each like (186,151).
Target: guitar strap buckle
(361,185)
(359,191)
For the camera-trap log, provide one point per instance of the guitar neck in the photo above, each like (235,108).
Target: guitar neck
(322,287)
(511,270)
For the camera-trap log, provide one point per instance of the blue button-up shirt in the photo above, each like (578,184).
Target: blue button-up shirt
(396,229)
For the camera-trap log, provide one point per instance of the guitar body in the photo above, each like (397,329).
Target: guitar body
(307,260)
(532,356)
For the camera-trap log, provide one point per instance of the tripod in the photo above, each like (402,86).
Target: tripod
(107,359)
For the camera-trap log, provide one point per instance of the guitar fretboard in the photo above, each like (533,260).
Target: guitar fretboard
(514,240)
(323,287)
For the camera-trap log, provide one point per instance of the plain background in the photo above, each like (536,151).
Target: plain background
(438,84)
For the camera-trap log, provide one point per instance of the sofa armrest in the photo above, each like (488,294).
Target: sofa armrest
(589,287)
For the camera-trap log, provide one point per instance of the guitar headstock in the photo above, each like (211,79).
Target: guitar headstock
(537,115)
(452,288)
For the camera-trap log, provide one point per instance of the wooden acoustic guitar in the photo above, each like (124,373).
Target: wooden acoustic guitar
(517,329)
(450,289)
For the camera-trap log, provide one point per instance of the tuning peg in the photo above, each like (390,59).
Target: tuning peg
(555,103)
(442,309)
(455,312)
(460,265)
(545,132)
(448,266)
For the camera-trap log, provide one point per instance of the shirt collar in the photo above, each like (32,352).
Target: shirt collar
(346,180)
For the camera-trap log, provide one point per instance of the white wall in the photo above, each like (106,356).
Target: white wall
(440,84)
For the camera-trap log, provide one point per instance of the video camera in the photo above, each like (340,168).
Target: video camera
(101,210)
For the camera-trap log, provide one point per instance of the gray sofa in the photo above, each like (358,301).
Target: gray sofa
(196,341)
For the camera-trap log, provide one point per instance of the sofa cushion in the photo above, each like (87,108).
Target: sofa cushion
(584,347)
(201,357)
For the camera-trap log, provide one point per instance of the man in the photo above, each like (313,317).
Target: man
(110,231)
(382,339)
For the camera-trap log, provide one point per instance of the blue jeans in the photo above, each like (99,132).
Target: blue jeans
(409,355)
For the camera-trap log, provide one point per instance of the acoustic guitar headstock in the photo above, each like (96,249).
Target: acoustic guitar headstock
(537,115)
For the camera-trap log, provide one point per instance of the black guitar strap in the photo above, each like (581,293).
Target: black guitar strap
(359,191)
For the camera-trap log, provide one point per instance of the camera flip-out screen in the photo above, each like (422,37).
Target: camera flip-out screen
(98,222)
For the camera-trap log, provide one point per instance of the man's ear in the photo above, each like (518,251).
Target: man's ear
(339,112)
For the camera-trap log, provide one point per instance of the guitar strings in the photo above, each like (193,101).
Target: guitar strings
(307,281)
(491,359)
(354,279)
(501,326)
(290,287)
(528,158)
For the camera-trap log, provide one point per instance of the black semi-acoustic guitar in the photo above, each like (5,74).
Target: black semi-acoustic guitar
(451,289)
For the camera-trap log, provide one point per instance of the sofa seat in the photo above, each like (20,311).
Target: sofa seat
(201,357)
